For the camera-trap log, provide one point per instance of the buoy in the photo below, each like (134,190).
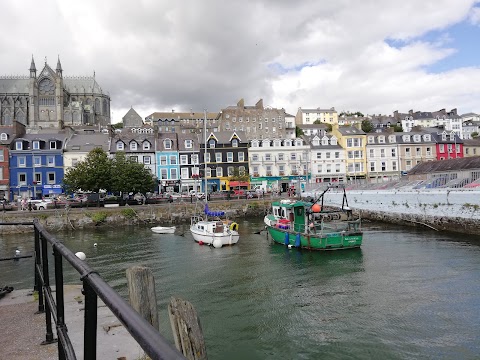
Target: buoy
(297,240)
(316,208)
(81,255)
(200,242)
(287,238)
(217,243)
(17,252)
(95,244)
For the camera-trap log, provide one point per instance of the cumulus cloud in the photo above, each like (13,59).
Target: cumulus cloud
(162,55)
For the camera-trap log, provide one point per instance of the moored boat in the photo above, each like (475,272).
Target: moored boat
(314,226)
(163,229)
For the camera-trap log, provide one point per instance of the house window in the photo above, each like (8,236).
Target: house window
(441,148)
(120,145)
(327,155)
(147,160)
(382,153)
(268,157)
(207,157)
(241,156)
(230,171)
(36,145)
(229,157)
(394,152)
(337,168)
(188,144)
(133,146)
(133,158)
(235,143)
(163,160)
(211,143)
(50,161)
(319,156)
(18,145)
(293,156)
(255,157)
(241,170)
(219,171)
(394,165)
(51,178)
(22,179)
(37,161)
(38,178)
(209,172)
(53,144)
(183,159)
(218,157)
(173,160)
(163,174)
(280,157)
(173,174)
(3,136)
(418,151)
(194,159)
(2,157)
(384,166)
(184,173)
(407,152)
(22,161)
(167,144)
(146,145)
(372,166)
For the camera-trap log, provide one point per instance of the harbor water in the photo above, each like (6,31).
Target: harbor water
(406,294)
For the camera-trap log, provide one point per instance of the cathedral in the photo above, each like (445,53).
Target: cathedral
(50,100)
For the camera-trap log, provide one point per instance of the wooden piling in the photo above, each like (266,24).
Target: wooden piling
(141,291)
(187,330)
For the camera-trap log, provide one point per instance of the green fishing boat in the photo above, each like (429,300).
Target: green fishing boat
(313,225)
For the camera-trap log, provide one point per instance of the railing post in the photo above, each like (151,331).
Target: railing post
(38,286)
(59,299)
(90,327)
(46,285)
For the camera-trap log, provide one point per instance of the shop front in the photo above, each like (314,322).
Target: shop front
(51,190)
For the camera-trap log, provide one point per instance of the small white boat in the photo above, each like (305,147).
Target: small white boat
(163,229)
(214,232)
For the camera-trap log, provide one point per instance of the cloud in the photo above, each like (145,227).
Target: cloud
(160,55)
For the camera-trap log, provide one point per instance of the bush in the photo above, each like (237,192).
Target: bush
(98,217)
(129,213)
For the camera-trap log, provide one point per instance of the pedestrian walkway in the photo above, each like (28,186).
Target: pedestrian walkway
(23,331)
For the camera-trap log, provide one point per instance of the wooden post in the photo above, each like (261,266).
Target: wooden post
(186,329)
(141,290)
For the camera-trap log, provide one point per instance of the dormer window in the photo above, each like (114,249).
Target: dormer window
(255,143)
(146,145)
(406,138)
(188,144)
(371,140)
(288,143)
(3,136)
(211,143)
(416,138)
(133,146)
(36,145)
(444,137)
(391,138)
(298,143)
(53,144)
(277,143)
(167,144)
(325,141)
(235,142)
(426,137)
(452,136)
(120,145)
(18,145)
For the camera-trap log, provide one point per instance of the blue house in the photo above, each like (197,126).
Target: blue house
(167,163)
(36,164)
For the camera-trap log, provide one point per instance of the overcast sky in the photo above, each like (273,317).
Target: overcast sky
(373,56)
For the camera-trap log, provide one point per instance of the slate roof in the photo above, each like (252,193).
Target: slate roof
(429,167)
(350,131)
(224,137)
(87,142)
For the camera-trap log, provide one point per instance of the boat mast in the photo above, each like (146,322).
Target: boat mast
(205,155)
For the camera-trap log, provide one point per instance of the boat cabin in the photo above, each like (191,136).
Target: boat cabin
(290,214)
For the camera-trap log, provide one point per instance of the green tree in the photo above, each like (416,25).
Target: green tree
(298,131)
(329,127)
(367,126)
(131,176)
(398,128)
(317,122)
(348,113)
(92,174)
(474,134)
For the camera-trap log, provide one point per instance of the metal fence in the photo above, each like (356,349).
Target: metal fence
(94,287)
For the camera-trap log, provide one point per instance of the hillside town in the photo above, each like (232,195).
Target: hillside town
(50,122)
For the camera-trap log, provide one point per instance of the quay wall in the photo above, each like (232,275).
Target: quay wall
(442,209)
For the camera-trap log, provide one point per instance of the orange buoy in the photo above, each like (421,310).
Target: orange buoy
(316,208)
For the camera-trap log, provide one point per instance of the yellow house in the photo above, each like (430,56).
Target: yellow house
(353,140)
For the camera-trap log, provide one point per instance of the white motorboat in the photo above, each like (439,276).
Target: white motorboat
(213,231)
(163,229)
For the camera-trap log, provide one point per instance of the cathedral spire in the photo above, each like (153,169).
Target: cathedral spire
(59,67)
(33,69)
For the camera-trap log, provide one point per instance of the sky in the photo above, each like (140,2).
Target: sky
(372,56)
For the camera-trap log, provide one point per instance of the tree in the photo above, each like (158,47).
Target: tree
(329,127)
(130,176)
(367,126)
(298,131)
(317,122)
(474,134)
(92,174)
(237,176)
(348,113)
(398,128)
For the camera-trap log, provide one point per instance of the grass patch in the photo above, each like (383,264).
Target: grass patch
(129,213)
(98,217)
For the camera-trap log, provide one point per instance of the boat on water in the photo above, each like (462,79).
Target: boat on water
(163,229)
(211,227)
(314,225)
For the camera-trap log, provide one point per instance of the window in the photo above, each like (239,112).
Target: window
(211,143)
(230,171)
(418,151)
(218,157)
(337,154)
(22,161)
(408,164)
(219,171)
(407,152)
(241,156)
(18,145)
(235,143)
(372,152)
(2,157)
(207,157)
(173,160)
(184,173)
(133,159)
(36,145)
(147,160)
(38,178)
(372,166)
(255,157)
(22,179)
(394,165)
(163,174)
(229,157)
(384,166)
(394,152)
(133,146)
(50,161)
(337,168)
(167,144)
(120,145)
(319,155)
(188,144)
(173,174)
(146,145)
(327,155)
(293,156)
(183,159)
(209,172)
(53,144)
(241,170)
(441,148)
(268,157)
(163,160)
(382,153)
(280,157)
(51,178)
(3,136)
(194,159)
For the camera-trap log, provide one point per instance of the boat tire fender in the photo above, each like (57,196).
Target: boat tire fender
(234,226)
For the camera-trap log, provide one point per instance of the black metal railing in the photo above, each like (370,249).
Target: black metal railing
(94,287)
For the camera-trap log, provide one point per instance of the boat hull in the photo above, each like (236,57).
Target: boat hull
(326,241)
(163,229)
(229,237)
